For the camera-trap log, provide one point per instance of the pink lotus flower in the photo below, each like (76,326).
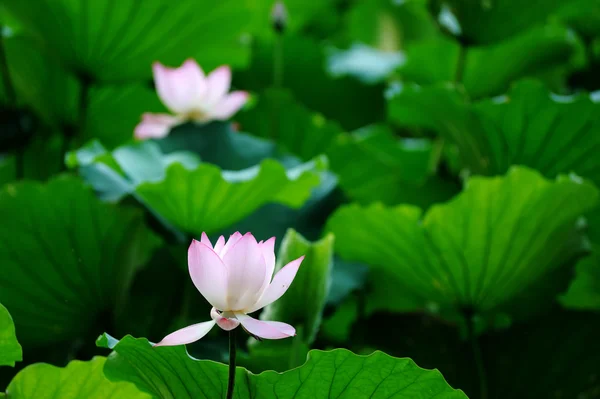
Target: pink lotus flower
(235,278)
(190,96)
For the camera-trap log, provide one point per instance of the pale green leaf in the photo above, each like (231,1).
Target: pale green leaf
(10,350)
(78,380)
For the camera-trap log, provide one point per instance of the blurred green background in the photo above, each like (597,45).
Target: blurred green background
(437,161)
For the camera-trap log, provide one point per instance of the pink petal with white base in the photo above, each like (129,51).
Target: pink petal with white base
(204,240)
(268,250)
(280,284)
(266,329)
(229,105)
(233,239)
(155,126)
(218,83)
(208,273)
(226,323)
(246,267)
(187,335)
(180,89)
(219,245)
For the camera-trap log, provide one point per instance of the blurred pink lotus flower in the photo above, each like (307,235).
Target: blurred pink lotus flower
(235,278)
(190,96)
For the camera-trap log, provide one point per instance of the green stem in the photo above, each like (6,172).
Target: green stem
(8,87)
(84,100)
(460,65)
(11,96)
(277,83)
(232,354)
(77,131)
(278,61)
(477,358)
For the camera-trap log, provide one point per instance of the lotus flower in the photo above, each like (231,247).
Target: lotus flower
(235,278)
(190,96)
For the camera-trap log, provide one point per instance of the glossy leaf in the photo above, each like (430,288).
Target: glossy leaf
(531,126)
(114,111)
(301,306)
(279,117)
(41,82)
(479,250)
(373,165)
(85,254)
(485,22)
(189,195)
(78,380)
(169,372)
(208,199)
(303,303)
(533,52)
(477,68)
(108,41)
(10,349)
(528,126)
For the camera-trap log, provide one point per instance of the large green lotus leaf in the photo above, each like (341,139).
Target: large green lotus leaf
(279,117)
(528,126)
(431,61)
(78,380)
(114,111)
(373,165)
(581,15)
(489,70)
(476,252)
(109,41)
(10,349)
(490,21)
(40,82)
(593,229)
(531,126)
(189,195)
(301,306)
(437,107)
(65,256)
(584,291)
(209,199)
(344,100)
(169,372)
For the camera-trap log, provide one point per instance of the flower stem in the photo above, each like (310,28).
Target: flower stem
(11,95)
(232,353)
(477,358)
